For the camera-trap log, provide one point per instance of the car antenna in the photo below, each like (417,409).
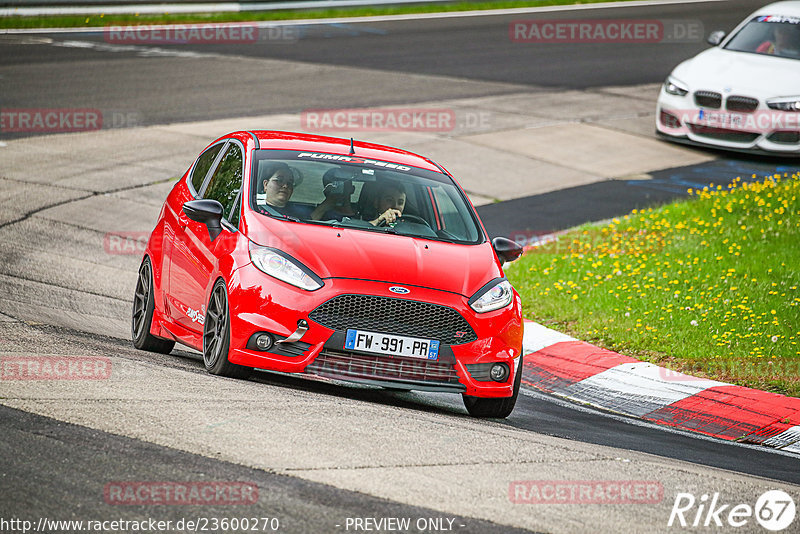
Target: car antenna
(352,149)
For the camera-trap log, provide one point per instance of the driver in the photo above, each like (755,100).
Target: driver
(785,41)
(389,203)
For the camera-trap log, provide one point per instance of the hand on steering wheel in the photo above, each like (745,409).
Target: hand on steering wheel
(388,217)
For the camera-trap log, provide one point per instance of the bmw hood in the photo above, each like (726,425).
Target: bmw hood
(741,73)
(371,255)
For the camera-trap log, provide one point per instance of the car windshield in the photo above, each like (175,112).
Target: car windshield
(354,192)
(771,35)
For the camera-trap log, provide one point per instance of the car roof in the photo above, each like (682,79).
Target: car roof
(791,8)
(278,140)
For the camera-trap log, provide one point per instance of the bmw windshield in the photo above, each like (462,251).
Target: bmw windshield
(770,35)
(353,192)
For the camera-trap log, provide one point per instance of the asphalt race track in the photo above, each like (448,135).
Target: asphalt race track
(320,454)
(468,56)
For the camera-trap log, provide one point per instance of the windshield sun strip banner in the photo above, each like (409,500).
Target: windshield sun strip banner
(352,159)
(778,18)
(299,155)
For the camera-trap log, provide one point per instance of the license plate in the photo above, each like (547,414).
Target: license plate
(410,347)
(720,119)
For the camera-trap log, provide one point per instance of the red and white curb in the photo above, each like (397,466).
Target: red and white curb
(562,365)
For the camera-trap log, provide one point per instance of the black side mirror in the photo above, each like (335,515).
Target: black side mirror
(716,37)
(506,249)
(208,212)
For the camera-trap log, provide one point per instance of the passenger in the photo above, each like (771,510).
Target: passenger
(337,205)
(279,185)
(389,203)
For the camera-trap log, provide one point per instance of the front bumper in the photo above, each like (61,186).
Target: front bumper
(261,304)
(763,131)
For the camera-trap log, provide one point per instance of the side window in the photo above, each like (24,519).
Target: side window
(452,220)
(227,179)
(204,163)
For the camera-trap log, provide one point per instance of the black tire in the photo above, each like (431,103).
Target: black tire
(495,408)
(217,336)
(142,313)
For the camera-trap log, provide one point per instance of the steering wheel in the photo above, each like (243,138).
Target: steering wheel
(413,219)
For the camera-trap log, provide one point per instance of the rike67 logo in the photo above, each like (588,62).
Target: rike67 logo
(774,510)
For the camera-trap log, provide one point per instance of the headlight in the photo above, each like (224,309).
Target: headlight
(791,103)
(493,296)
(284,267)
(674,87)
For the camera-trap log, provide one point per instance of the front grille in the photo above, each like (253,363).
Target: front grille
(708,99)
(394,316)
(723,134)
(335,364)
(787,137)
(741,103)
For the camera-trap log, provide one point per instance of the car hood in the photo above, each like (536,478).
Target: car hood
(741,73)
(366,255)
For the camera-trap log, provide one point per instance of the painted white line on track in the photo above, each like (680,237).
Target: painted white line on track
(391,18)
(565,402)
(217,7)
(144,51)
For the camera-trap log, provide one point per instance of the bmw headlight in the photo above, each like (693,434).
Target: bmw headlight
(493,296)
(791,103)
(675,87)
(284,267)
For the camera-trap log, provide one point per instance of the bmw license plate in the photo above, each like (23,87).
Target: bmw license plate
(410,347)
(721,119)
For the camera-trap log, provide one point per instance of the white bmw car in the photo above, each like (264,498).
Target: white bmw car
(743,94)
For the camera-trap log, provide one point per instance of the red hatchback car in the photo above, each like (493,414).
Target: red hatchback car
(348,261)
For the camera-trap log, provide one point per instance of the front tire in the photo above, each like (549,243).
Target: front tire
(495,408)
(142,314)
(217,336)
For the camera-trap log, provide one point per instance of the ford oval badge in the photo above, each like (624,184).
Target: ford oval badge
(399,290)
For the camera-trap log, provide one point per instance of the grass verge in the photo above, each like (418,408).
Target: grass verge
(706,286)
(76,21)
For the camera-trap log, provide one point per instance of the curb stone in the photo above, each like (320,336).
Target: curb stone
(564,366)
